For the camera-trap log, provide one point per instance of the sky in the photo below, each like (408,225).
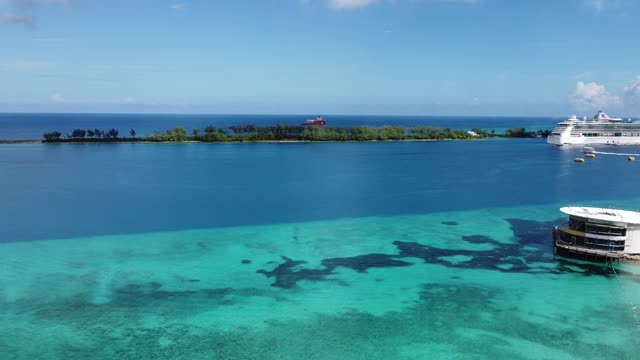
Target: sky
(384,57)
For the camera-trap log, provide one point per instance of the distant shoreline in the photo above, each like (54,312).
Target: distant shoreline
(144,141)
(287,134)
(21,141)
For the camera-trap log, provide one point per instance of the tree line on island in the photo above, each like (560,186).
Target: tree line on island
(253,133)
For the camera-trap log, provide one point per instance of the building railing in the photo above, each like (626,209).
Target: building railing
(558,242)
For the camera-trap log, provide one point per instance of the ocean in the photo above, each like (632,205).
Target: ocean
(384,250)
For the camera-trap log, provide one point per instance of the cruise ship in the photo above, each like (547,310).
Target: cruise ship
(602,130)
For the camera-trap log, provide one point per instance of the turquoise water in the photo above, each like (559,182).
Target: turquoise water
(319,251)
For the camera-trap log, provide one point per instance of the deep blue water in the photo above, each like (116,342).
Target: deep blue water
(31,126)
(68,190)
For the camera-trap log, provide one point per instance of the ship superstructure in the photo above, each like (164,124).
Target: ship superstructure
(602,129)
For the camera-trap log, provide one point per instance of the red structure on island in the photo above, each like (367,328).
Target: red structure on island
(319,121)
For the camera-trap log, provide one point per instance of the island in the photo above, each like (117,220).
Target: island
(289,133)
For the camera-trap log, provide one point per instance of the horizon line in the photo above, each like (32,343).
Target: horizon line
(266,114)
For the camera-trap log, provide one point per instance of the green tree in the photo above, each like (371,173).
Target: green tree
(52,136)
(159,136)
(391,133)
(516,132)
(426,133)
(210,129)
(364,133)
(78,134)
(112,134)
(178,133)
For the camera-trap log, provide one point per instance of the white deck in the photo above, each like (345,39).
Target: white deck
(603,214)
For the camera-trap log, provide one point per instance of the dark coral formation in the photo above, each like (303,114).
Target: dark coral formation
(533,246)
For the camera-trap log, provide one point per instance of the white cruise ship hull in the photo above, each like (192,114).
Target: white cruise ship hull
(602,130)
(601,140)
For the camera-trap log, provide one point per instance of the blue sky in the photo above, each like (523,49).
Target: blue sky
(431,57)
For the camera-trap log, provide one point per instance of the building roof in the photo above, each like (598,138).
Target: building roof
(611,215)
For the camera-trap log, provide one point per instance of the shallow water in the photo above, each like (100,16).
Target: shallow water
(436,250)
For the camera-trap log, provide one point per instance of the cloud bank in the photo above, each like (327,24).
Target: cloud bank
(15,19)
(593,96)
(597,5)
(57,98)
(23,13)
(349,4)
(339,5)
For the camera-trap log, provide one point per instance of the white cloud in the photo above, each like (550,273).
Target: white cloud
(178,6)
(461,1)
(50,40)
(15,19)
(349,4)
(633,88)
(129,100)
(597,5)
(25,3)
(25,64)
(593,96)
(56,98)
(475,101)
(27,7)
(470,2)
(341,5)
(100,67)
(631,92)
(582,75)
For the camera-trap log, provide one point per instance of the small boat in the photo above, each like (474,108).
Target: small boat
(588,149)
(319,121)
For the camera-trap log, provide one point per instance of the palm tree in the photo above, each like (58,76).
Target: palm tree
(113,133)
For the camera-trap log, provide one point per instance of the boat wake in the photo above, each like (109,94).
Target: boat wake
(612,153)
